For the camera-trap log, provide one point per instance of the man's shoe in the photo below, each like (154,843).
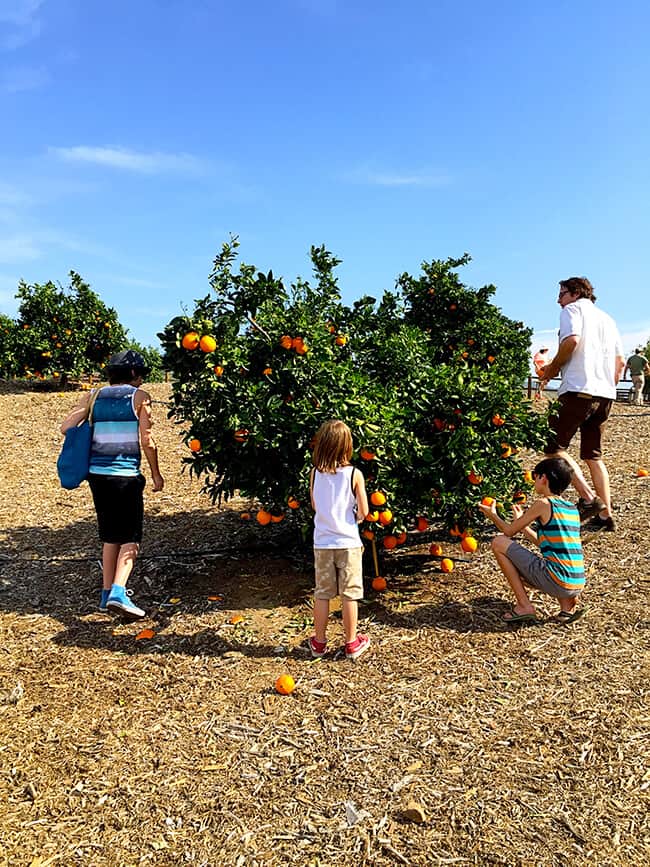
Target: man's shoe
(103,601)
(599,523)
(589,510)
(355,648)
(119,603)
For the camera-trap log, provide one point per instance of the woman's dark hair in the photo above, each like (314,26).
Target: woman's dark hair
(579,286)
(557,471)
(125,366)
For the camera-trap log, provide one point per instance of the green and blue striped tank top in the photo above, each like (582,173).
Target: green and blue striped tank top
(115,447)
(559,542)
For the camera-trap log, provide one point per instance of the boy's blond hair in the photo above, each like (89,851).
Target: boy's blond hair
(333,446)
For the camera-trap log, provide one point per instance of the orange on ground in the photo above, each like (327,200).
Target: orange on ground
(245,516)
(390,542)
(191,340)
(236,619)
(385,517)
(379,584)
(194,445)
(641,473)
(207,343)
(285,684)
(144,634)
(474,478)
(275,519)
(377,498)
(421,524)
(447,565)
(263,517)
(435,549)
(469,544)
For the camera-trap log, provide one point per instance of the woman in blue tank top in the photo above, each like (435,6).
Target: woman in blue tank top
(121,422)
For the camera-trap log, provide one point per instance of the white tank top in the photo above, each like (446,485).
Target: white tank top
(335,522)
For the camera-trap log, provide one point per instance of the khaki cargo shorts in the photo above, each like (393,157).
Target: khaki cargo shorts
(339,572)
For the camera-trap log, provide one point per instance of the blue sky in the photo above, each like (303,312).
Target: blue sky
(137,134)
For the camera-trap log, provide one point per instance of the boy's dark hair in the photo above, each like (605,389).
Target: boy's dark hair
(557,471)
(579,286)
(125,366)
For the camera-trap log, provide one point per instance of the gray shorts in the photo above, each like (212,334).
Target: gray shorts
(534,571)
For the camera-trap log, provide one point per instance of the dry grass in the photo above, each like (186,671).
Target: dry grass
(520,746)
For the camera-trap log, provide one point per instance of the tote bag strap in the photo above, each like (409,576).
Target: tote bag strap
(91,404)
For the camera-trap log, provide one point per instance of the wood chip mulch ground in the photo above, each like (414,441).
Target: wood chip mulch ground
(454,740)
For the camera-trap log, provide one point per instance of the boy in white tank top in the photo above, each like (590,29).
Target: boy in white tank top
(338,497)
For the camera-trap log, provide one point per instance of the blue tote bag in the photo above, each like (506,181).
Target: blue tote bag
(73,463)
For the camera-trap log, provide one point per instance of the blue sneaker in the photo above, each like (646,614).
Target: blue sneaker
(119,602)
(103,601)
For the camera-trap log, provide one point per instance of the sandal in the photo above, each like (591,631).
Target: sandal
(566,617)
(512,616)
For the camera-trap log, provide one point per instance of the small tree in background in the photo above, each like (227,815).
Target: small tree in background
(8,362)
(429,380)
(153,359)
(64,332)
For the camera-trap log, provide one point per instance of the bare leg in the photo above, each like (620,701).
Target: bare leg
(569,605)
(321,614)
(523,605)
(600,478)
(577,480)
(350,616)
(110,553)
(124,562)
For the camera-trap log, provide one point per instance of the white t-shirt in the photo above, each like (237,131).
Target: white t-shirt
(592,366)
(335,521)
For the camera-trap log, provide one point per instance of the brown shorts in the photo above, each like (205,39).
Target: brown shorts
(579,412)
(339,572)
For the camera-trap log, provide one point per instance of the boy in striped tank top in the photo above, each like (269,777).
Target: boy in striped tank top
(559,571)
(338,497)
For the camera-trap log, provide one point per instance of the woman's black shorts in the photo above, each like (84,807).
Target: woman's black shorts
(120,507)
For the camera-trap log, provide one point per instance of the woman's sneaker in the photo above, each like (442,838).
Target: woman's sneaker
(119,603)
(317,647)
(354,649)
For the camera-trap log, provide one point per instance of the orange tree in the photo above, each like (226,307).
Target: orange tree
(8,363)
(433,395)
(62,333)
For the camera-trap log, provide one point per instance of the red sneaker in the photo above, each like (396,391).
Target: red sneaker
(355,648)
(317,647)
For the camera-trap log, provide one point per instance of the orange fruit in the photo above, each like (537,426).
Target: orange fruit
(447,565)
(144,634)
(286,342)
(474,478)
(490,359)
(368,534)
(528,476)
(296,342)
(191,340)
(519,497)
(506,450)
(340,340)
(371,517)
(267,371)
(285,684)
(275,519)
(421,524)
(379,584)
(469,544)
(207,343)
(194,445)
(293,503)
(218,370)
(435,549)
(456,531)
(377,498)
(385,517)
(366,455)
(487,501)
(390,542)
(401,537)
(236,619)
(302,349)
(497,421)
(453,307)
(263,517)
(245,516)
(641,473)
(241,435)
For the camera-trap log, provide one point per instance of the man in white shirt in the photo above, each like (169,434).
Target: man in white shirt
(590,359)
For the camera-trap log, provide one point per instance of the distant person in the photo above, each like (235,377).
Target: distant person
(338,497)
(540,360)
(590,359)
(559,571)
(639,368)
(121,427)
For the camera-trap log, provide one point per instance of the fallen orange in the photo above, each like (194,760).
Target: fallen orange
(285,684)
(378,584)
(144,634)
(389,542)
(447,565)
(435,549)
(469,544)
(263,517)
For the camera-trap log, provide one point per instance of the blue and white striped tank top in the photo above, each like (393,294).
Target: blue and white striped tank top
(116,440)
(559,542)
